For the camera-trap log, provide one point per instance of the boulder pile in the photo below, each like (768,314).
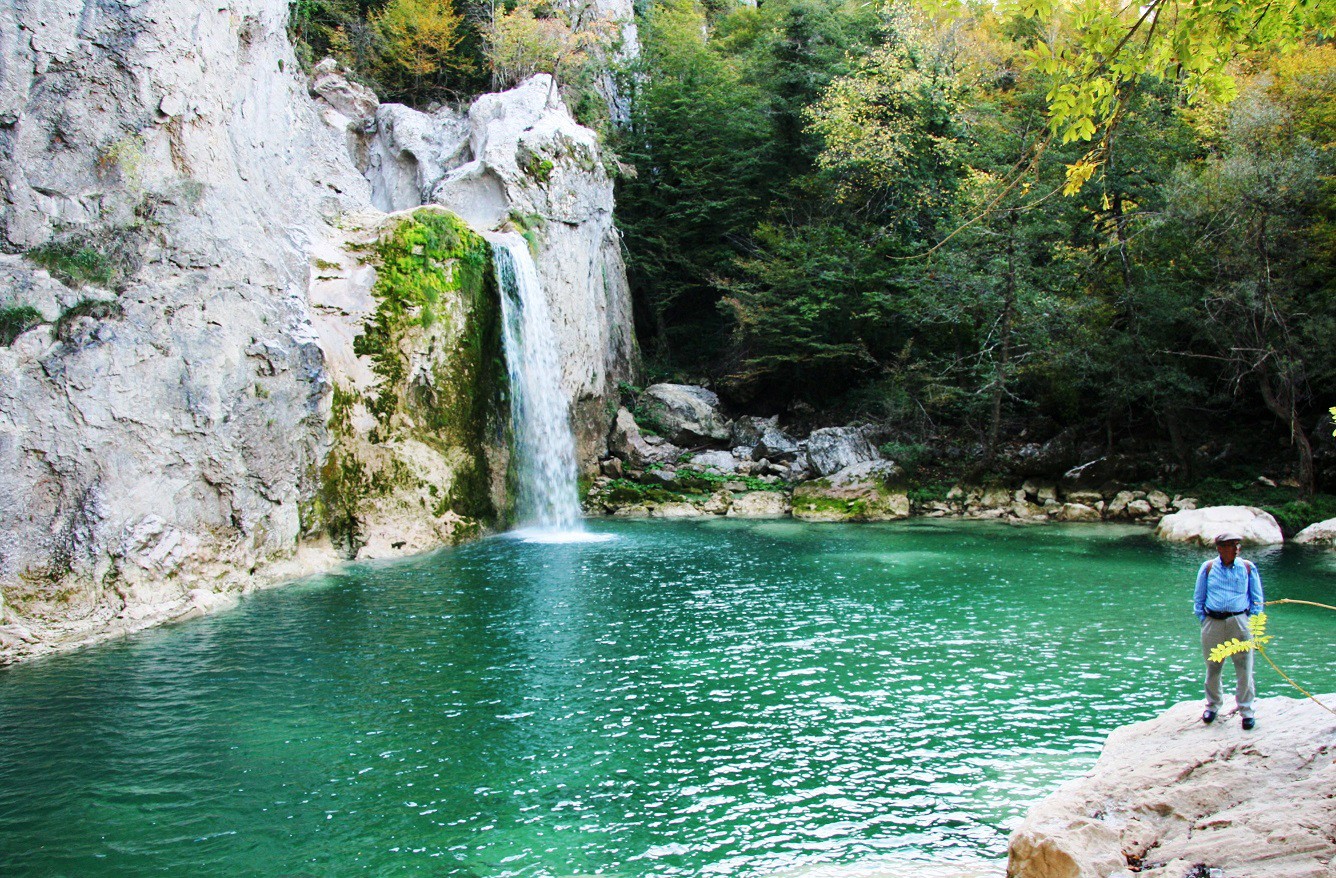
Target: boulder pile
(679,455)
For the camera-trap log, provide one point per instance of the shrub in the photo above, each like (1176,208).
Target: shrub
(74,263)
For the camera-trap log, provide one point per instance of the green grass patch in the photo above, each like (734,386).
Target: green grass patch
(931,492)
(75,263)
(17,320)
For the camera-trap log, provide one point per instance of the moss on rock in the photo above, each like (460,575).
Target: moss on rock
(434,342)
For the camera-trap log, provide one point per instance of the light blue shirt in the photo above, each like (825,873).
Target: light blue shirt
(1236,588)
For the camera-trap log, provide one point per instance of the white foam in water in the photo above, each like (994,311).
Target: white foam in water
(543,535)
(548,496)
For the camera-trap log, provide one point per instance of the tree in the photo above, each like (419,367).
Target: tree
(418,40)
(1097,51)
(540,36)
(1259,215)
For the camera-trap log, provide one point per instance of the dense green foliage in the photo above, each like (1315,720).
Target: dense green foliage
(1109,229)
(862,212)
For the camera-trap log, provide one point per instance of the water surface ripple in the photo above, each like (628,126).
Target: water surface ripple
(699,698)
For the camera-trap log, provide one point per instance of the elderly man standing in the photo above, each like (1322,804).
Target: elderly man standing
(1229,591)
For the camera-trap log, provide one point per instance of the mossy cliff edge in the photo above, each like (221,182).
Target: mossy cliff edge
(409,317)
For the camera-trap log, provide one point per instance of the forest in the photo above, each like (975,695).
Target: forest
(1003,231)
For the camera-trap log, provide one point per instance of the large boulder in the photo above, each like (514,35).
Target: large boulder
(1172,798)
(775,445)
(866,491)
(1322,533)
(832,449)
(684,414)
(1256,526)
(626,442)
(330,83)
(747,429)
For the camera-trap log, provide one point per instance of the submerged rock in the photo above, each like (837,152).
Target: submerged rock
(1173,798)
(1256,526)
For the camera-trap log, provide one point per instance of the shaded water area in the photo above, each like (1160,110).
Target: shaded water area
(696,698)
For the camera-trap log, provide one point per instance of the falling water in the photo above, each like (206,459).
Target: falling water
(545,447)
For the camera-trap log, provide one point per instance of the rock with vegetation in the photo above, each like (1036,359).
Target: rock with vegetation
(867,491)
(1172,798)
(684,414)
(832,449)
(419,418)
(1320,533)
(532,167)
(1256,526)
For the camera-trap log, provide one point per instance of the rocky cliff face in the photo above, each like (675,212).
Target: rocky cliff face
(519,160)
(197,394)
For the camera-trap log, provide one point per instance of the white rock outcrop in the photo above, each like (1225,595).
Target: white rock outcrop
(1322,533)
(1173,798)
(831,449)
(685,414)
(158,435)
(1257,526)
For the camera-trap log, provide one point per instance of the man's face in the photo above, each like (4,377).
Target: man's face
(1228,551)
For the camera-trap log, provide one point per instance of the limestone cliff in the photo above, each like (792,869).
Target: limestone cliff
(205,381)
(519,159)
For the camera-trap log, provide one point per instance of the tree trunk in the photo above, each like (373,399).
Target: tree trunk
(1282,405)
(1003,365)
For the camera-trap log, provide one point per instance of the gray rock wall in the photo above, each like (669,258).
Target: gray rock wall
(161,440)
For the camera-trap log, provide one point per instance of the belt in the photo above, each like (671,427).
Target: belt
(1216,614)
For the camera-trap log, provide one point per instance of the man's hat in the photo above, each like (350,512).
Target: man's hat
(1228,537)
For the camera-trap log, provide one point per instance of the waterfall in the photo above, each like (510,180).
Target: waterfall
(548,496)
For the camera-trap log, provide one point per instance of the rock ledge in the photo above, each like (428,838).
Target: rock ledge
(1172,798)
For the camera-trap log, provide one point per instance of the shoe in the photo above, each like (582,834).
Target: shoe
(1208,717)
(1248,723)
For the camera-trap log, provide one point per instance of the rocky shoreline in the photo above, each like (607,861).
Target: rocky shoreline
(677,456)
(1172,798)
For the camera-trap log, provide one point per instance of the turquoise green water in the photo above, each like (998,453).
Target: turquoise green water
(702,698)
